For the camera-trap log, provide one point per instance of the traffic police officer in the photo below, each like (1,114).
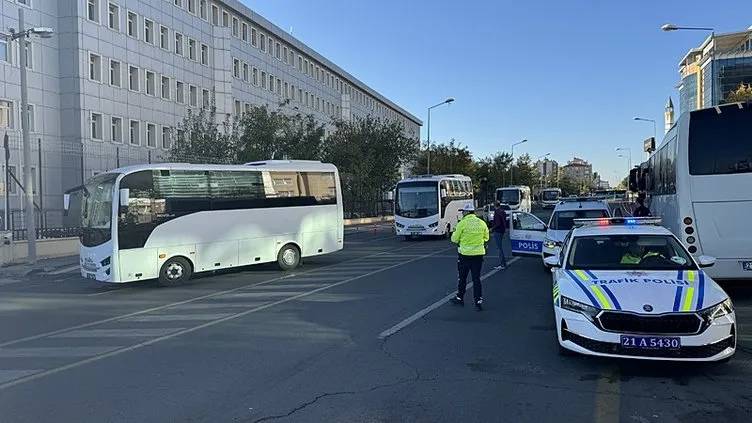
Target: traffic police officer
(471,236)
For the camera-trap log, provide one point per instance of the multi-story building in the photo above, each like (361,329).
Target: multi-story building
(548,170)
(119,76)
(578,171)
(714,69)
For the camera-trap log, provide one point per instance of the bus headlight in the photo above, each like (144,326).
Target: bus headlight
(433,225)
(399,225)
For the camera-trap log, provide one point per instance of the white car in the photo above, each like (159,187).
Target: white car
(626,287)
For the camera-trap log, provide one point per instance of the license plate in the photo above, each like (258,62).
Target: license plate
(747,265)
(414,233)
(651,342)
(91,276)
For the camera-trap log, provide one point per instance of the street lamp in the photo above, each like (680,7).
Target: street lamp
(655,133)
(428,129)
(671,27)
(22,34)
(511,168)
(629,152)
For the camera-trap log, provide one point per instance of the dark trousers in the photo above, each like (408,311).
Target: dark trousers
(465,265)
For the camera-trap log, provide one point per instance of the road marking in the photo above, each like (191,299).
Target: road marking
(6,375)
(47,352)
(53,371)
(261,294)
(607,397)
(176,317)
(96,294)
(405,323)
(190,300)
(63,270)
(117,333)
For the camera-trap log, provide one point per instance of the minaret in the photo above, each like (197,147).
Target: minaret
(668,115)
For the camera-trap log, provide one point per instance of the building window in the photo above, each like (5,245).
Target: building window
(179,3)
(255,77)
(235,25)
(113,16)
(193,96)
(29,54)
(205,98)
(96,126)
(245,72)
(215,14)
(287,90)
(151,83)
(95,67)
(225,19)
(164,37)
(92,10)
(278,51)
(244,32)
(300,95)
(166,137)
(165,87)
(6,114)
(149,31)
(236,68)
(254,37)
(292,92)
(204,54)
(178,43)
(179,92)
(116,129)
(4,51)
(132,25)
(279,87)
(300,64)
(271,82)
(263,79)
(192,6)
(133,78)
(284,55)
(237,109)
(262,42)
(202,9)
(115,73)
(192,49)
(151,135)
(31,123)
(134,134)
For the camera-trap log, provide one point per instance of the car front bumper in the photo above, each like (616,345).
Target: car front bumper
(578,334)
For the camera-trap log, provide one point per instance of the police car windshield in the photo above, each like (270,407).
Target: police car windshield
(564,220)
(628,252)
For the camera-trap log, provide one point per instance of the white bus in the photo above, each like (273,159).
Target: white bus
(699,182)
(168,221)
(515,198)
(550,197)
(430,204)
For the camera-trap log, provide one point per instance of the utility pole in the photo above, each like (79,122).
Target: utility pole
(31,223)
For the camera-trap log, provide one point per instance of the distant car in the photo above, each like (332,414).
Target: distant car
(487,213)
(627,288)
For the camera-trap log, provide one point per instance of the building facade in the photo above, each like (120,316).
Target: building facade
(578,171)
(714,69)
(548,170)
(111,86)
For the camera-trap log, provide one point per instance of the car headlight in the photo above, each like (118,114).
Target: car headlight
(433,225)
(719,310)
(399,225)
(587,310)
(551,244)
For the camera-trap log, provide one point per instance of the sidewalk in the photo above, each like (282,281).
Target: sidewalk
(50,265)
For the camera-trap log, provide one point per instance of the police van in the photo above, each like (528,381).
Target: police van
(627,287)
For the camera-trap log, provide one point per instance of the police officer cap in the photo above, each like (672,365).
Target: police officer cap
(469,207)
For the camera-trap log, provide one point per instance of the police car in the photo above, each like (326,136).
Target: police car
(626,287)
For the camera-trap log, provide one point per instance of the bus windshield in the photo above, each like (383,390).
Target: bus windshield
(550,195)
(417,199)
(96,209)
(720,143)
(508,196)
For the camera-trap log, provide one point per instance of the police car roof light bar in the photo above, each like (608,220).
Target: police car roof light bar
(578,199)
(606,221)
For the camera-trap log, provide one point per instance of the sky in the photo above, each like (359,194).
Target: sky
(568,76)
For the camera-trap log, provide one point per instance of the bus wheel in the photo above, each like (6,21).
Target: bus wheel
(288,257)
(174,272)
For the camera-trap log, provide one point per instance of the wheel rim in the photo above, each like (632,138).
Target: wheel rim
(289,256)
(174,271)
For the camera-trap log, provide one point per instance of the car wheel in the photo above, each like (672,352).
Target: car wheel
(174,271)
(288,257)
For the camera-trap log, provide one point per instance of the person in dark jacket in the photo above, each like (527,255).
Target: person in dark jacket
(498,228)
(641,210)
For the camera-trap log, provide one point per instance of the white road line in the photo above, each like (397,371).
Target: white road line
(6,375)
(63,270)
(47,352)
(405,323)
(176,317)
(118,333)
(202,326)
(96,294)
(260,295)
(190,300)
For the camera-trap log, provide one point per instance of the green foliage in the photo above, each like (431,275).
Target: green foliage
(445,159)
(200,139)
(525,172)
(569,186)
(273,135)
(741,94)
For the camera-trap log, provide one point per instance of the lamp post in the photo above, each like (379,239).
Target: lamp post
(629,152)
(655,133)
(22,35)
(428,129)
(511,167)
(671,27)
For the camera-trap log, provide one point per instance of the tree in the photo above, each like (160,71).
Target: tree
(495,169)
(741,94)
(445,159)
(200,139)
(273,135)
(569,186)
(525,173)
(624,184)
(369,154)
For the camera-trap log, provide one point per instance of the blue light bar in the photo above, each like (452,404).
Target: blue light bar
(614,221)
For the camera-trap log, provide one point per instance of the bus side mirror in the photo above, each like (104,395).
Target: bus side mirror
(66,204)
(634,180)
(125,194)
(706,261)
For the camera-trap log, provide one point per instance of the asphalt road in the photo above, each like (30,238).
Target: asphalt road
(334,341)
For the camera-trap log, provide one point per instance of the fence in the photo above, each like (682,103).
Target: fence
(356,209)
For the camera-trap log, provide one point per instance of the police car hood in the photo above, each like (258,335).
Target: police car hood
(646,292)
(557,235)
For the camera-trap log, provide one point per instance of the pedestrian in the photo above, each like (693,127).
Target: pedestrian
(471,236)
(498,228)
(641,210)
